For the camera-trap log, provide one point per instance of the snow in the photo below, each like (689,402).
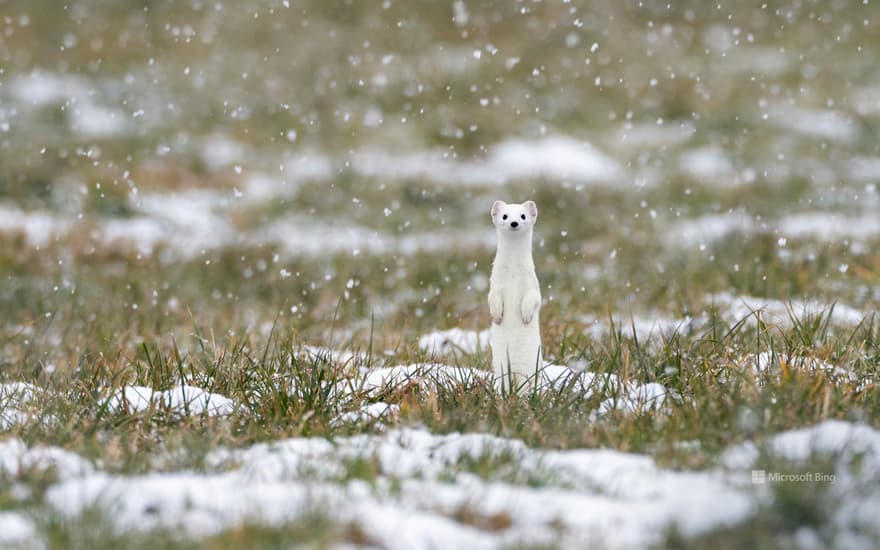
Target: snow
(17,398)
(828,226)
(337,357)
(829,437)
(855,452)
(821,226)
(315,237)
(865,169)
(866,100)
(574,497)
(734,308)
(708,229)
(17,403)
(644,328)
(379,380)
(180,400)
(556,377)
(16,459)
(446,342)
(638,399)
(17,529)
(652,328)
(221,151)
(626,396)
(768,362)
(142,232)
(94,121)
(193,219)
(707,164)
(86,116)
(40,88)
(585,496)
(38,228)
(594,495)
(556,158)
(815,123)
(370,412)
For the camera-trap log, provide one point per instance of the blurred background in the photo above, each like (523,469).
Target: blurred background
(237,163)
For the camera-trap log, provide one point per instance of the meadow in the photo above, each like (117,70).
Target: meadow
(244,261)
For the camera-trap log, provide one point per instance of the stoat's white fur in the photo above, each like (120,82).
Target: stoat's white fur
(514,297)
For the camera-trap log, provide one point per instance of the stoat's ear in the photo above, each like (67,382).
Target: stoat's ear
(497,208)
(531,209)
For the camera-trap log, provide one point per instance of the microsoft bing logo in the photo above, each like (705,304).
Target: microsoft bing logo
(759,476)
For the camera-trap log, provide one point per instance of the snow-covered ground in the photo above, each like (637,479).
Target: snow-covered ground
(454,340)
(730,309)
(696,167)
(422,485)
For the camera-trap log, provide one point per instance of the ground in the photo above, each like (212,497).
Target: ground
(245,248)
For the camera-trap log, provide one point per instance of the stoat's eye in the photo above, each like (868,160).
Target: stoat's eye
(523,216)
(504,217)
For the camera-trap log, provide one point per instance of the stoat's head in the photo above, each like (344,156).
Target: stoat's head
(514,218)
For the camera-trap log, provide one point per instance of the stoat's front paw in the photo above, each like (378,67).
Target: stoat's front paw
(496,308)
(530,305)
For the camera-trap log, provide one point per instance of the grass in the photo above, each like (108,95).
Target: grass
(83,317)
(93,530)
(283,392)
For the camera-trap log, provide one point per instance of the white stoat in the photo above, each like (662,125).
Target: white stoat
(514,297)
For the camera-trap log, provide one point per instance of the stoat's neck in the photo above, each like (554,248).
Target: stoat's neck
(514,248)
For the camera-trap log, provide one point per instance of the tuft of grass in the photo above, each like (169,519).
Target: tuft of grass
(92,529)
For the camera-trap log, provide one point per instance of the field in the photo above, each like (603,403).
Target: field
(244,261)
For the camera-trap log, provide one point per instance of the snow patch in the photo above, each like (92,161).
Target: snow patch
(708,229)
(558,158)
(639,399)
(221,151)
(614,498)
(707,164)
(19,404)
(556,377)
(768,362)
(17,530)
(734,308)
(38,228)
(179,400)
(425,375)
(644,328)
(423,482)
(371,412)
(94,121)
(855,452)
(830,226)
(337,357)
(312,237)
(445,342)
(822,124)
(16,458)
(41,88)
(865,169)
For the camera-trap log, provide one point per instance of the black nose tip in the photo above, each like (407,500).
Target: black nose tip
(514,224)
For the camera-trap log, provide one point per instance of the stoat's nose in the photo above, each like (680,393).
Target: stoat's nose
(514,224)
